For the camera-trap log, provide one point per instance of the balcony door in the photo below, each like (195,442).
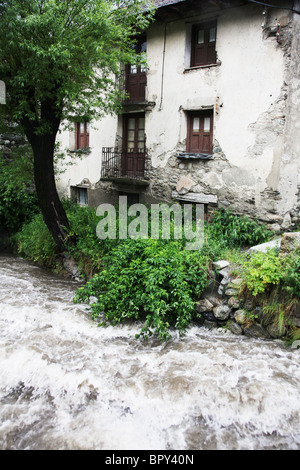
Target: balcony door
(133,155)
(135,77)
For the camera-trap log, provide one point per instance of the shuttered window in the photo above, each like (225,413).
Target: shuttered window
(203,50)
(82,135)
(200,132)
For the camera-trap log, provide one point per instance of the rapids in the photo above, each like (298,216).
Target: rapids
(67,384)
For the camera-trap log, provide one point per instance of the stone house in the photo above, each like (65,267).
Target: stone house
(214,118)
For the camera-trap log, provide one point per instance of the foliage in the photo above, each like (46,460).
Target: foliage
(291,281)
(35,243)
(150,280)
(262,270)
(233,230)
(18,202)
(67,52)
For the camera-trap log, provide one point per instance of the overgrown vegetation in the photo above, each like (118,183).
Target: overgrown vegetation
(18,202)
(153,281)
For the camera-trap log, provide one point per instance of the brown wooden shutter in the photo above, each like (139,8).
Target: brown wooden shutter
(203,49)
(82,135)
(200,132)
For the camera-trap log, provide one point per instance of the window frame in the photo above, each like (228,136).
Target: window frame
(201,134)
(208,47)
(82,136)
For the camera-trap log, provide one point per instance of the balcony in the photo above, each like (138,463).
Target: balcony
(121,166)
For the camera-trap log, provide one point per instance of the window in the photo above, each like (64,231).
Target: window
(200,132)
(135,77)
(82,135)
(203,44)
(80,194)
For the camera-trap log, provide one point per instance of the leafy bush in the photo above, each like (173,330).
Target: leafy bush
(262,270)
(18,201)
(150,280)
(233,230)
(35,242)
(291,281)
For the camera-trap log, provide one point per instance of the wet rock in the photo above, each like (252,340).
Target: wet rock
(234,327)
(276,331)
(256,331)
(210,324)
(222,312)
(240,316)
(233,302)
(204,305)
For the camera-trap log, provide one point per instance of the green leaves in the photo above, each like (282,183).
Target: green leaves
(147,280)
(234,230)
(66,51)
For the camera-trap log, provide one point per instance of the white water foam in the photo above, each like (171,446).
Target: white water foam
(67,384)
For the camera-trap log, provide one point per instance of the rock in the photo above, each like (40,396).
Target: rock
(256,331)
(71,267)
(275,331)
(209,316)
(233,303)
(264,247)
(210,324)
(234,327)
(289,242)
(222,312)
(286,223)
(220,264)
(204,305)
(240,316)
(237,282)
(231,292)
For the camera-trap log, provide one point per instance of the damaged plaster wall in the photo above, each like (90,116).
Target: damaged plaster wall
(248,91)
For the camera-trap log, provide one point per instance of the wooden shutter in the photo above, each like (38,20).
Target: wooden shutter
(200,132)
(82,135)
(203,50)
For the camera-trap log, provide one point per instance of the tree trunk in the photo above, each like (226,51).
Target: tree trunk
(51,207)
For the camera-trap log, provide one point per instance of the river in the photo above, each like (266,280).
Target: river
(67,384)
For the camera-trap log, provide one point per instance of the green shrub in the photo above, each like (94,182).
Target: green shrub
(291,281)
(233,230)
(18,201)
(262,271)
(150,280)
(35,242)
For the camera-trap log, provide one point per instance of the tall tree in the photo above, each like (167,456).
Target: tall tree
(59,59)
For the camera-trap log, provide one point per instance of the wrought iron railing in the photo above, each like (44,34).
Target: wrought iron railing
(119,164)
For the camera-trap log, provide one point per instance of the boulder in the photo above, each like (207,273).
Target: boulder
(290,241)
(264,247)
(233,302)
(256,331)
(222,312)
(234,327)
(204,305)
(275,331)
(240,316)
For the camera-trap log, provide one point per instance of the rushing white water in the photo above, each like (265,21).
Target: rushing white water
(67,384)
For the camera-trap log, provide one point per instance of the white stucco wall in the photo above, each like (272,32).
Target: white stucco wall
(87,167)
(245,86)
